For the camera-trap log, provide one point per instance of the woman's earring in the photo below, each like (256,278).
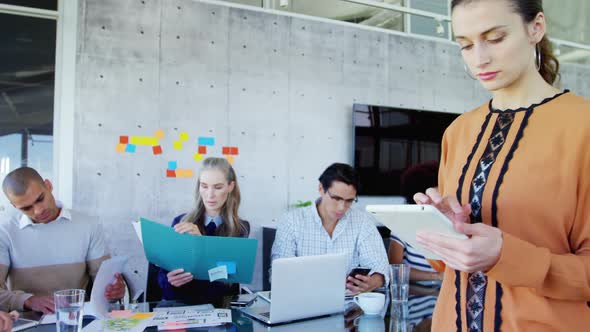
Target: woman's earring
(538,57)
(468,72)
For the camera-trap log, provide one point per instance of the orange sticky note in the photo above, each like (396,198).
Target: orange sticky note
(170,173)
(234,151)
(225,150)
(121,313)
(184,173)
(123,139)
(202,149)
(121,147)
(142,315)
(198,157)
(230,159)
(159,134)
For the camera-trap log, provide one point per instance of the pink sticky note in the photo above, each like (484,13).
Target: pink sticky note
(121,313)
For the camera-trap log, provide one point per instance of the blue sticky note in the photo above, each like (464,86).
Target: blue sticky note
(130,148)
(231,266)
(206,141)
(172,165)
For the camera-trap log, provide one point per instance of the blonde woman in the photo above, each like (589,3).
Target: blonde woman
(217,199)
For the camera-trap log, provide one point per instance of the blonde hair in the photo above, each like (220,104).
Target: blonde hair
(229,211)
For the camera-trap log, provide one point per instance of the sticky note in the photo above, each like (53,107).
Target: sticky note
(207,141)
(231,266)
(230,159)
(202,149)
(184,136)
(121,147)
(198,157)
(225,150)
(217,273)
(159,134)
(124,139)
(184,173)
(130,148)
(157,149)
(172,165)
(144,140)
(121,313)
(170,173)
(142,315)
(234,151)
(177,145)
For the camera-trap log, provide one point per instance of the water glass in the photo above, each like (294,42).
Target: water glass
(69,304)
(399,282)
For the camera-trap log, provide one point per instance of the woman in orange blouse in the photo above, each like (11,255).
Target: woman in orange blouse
(515,178)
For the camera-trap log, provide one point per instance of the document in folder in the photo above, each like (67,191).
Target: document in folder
(170,250)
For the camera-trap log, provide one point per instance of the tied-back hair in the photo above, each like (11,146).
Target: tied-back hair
(232,226)
(528,10)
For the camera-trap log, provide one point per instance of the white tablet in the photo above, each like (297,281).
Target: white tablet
(405,221)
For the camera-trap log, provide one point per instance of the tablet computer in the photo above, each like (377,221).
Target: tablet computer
(405,221)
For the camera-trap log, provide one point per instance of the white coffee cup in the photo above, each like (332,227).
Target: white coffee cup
(371,303)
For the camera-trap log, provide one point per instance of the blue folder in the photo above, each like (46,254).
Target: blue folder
(170,250)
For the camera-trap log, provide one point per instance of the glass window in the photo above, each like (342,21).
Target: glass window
(425,25)
(27,71)
(44,4)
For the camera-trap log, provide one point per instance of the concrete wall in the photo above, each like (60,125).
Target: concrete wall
(281,88)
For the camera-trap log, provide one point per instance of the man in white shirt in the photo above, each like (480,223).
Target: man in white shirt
(332,226)
(47,248)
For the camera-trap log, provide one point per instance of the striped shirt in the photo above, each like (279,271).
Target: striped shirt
(412,257)
(420,307)
(38,259)
(300,232)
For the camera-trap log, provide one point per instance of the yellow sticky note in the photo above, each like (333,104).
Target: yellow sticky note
(198,156)
(159,134)
(142,315)
(143,140)
(230,159)
(184,136)
(184,173)
(177,145)
(121,148)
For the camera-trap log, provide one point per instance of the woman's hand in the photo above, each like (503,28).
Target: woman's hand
(187,227)
(178,277)
(448,205)
(480,252)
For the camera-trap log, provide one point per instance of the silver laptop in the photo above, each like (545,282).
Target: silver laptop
(303,287)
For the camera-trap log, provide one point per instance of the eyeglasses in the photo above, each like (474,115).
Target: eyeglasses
(339,199)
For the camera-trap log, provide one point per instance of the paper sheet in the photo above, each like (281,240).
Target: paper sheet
(137,229)
(217,273)
(105,276)
(118,325)
(167,320)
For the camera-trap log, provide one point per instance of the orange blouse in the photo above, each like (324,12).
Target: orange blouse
(537,191)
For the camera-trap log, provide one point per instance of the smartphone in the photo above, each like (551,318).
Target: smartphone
(359,270)
(243,300)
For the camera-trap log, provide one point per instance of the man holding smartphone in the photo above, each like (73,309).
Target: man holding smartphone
(332,226)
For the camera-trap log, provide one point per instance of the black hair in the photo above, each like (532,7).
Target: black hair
(342,173)
(418,178)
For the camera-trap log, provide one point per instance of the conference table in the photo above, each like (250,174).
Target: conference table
(405,317)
